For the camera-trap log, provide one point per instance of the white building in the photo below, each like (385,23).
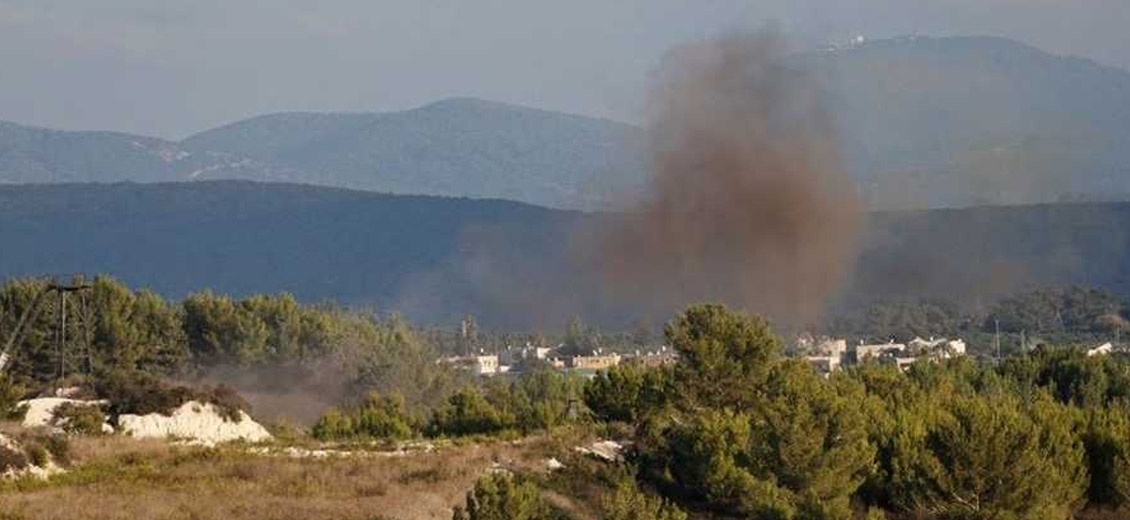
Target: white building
(1101,350)
(484,365)
(865,352)
(824,365)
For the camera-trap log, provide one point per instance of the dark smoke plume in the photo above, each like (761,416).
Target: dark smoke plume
(748,202)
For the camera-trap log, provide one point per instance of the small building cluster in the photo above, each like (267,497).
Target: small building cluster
(513,359)
(828,355)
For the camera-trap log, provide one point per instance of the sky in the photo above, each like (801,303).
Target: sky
(170,68)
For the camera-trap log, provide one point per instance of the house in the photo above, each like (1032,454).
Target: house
(657,358)
(1101,350)
(955,348)
(903,363)
(865,352)
(824,365)
(827,355)
(920,344)
(519,355)
(480,365)
(483,365)
(596,361)
(938,348)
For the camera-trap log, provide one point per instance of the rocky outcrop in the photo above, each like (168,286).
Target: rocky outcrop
(41,411)
(194,421)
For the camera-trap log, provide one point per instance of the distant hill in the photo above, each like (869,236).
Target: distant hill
(935,122)
(436,258)
(39,155)
(924,122)
(458,147)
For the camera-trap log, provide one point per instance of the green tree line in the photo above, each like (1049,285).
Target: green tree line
(735,429)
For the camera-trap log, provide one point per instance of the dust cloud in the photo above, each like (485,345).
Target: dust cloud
(748,202)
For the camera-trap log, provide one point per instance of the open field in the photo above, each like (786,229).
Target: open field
(120,478)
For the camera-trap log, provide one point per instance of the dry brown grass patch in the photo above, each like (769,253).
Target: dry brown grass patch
(120,478)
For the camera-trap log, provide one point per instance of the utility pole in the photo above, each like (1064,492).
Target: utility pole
(998,340)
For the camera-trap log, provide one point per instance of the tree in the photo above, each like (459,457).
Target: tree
(748,432)
(725,357)
(982,457)
(1107,443)
(614,394)
(540,400)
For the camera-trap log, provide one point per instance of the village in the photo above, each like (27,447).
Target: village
(826,355)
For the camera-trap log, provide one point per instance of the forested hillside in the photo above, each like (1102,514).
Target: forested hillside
(443,257)
(936,122)
(40,155)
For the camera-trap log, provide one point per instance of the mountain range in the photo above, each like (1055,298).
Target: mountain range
(436,258)
(923,123)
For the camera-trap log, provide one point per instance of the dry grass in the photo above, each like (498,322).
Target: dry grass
(119,478)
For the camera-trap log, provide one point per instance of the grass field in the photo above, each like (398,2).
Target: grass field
(120,478)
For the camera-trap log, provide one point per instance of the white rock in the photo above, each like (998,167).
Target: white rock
(194,421)
(41,411)
(553,464)
(608,451)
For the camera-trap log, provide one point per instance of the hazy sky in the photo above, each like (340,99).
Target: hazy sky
(173,67)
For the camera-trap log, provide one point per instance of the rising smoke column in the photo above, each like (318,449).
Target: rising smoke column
(748,203)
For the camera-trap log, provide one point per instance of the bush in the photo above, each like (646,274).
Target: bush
(225,399)
(133,392)
(384,418)
(501,496)
(333,425)
(36,454)
(81,419)
(466,413)
(627,502)
(10,393)
(59,448)
(11,459)
(379,418)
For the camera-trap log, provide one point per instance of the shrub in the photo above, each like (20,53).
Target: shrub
(627,502)
(134,392)
(225,399)
(59,448)
(333,425)
(466,413)
(11,459)
(380,417)
(78,418)
(384,418)
(10,393)
(36,454)
(17,413)
(501,496)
